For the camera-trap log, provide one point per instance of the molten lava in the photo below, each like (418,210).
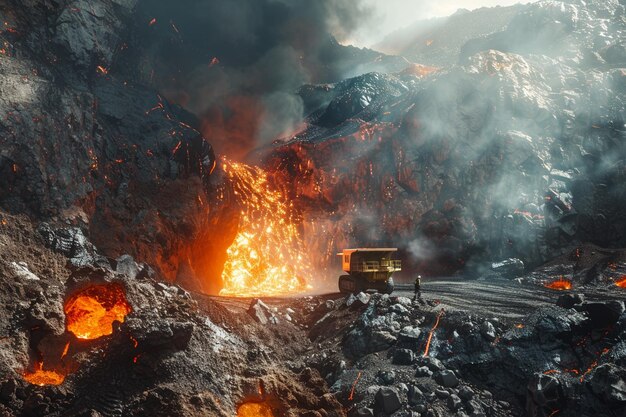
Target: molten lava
(430,334)
(90,313)
(267,256)
(621,282)
(561,284)
(41,377)
(254,410)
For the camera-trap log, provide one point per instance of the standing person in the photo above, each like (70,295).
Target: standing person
(418,288)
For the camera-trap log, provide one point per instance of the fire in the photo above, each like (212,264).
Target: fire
(267,256)
(560,284)
(41,377)
(254,410)
(621,282)
(91,312)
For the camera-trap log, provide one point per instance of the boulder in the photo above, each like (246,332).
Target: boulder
(446,378)
(602,313)
(544,392)
(415,395)
(259,311)
(410,334)
(362,298)
(466,393)
(431,363)
(609,383)
(403,357)
(387,400)
(509,268)
(454,402)
(399,309)
(126,265)
(20,269)
(488,331)
(570,300)
(386,377)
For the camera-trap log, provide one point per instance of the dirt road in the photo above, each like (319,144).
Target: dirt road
(501,298)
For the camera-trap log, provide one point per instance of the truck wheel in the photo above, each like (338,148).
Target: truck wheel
(347,284)
(389,287)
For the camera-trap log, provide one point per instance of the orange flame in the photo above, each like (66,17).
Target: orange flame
(254,410)
(267,256)
(430,334)
(622,282)
(41,377)
(91,312)
(560,284)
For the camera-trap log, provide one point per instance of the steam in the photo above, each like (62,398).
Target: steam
(482,142)
(237,64)
(421,249)
(283,115)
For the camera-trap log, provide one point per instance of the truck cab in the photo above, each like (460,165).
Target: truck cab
(368,268)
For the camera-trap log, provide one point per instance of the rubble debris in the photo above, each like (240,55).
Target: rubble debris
(259,311)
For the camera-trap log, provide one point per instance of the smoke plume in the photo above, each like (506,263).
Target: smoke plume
(237,64)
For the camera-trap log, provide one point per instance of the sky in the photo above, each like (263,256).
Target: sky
(395,14)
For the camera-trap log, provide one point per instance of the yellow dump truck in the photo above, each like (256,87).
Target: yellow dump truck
(368,268)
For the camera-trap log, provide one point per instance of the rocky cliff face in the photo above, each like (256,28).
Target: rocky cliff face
(90,138)
(84,144)
(515,152)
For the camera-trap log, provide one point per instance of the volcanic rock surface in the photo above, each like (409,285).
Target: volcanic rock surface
(516,152)
(503,160)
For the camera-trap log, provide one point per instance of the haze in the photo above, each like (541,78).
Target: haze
(390,15)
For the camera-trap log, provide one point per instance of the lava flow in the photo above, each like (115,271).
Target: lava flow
(267,256)
(561,284)
(41,377)
(254,410)
(90,313)
(621,282)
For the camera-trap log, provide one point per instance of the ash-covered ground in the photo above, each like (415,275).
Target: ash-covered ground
(491,151)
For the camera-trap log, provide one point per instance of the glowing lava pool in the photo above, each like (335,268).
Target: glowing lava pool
(90,313)
(254,410)
(560,284)
(41,377)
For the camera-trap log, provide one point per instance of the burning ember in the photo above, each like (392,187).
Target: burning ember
(41,377)
(254,410)
(621,282)
(267,256)
(560,284)
(90,313)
